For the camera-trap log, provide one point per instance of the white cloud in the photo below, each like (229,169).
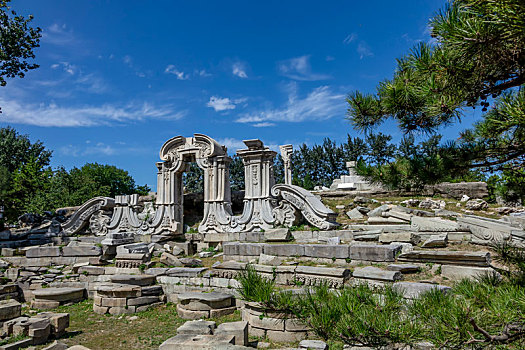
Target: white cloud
(170,69)
(66,67)
(79,116)
(350,38)
(223,104)
(263,125)
(57,34)
(201,73)
(239,69)
(363,50)
(299,68)
(320,104)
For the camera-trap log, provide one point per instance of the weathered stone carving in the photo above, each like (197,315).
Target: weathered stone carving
(81,217)
(286,153)
(309,205)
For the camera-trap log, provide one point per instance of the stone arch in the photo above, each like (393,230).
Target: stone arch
(213,159)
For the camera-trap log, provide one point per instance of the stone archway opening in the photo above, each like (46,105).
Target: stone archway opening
(193,191)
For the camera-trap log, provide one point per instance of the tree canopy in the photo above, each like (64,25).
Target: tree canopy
(477,59)
(17,43)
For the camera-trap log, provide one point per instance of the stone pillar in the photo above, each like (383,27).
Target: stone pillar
(351,168)
(286,152)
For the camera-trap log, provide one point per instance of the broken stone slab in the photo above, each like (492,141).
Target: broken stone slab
(156,271)
(405,237)
(374,273)
(313,345)
(91,270)
(381,220)
(434,224)
(367,236)
(82,250)
(277,235)
(429,203)
(206,254)
(385,228)
(62,295)
(272,260)
(9,309)
(133,248)
(447,257)
(436,241)
(404,268)
(457,273)
(56,345)
(136,280)
(238,329)
(412,290)
(40,252)
(396,213)
(170,259)
(378,211)
(197,327)
(373,252)
(355,214)
(326,251)
(190,262)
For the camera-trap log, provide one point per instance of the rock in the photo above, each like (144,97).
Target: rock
(197,327)
(374,273)
(277,235)
(87,250)
(340,207)
(429,203)
(411,202)
(39,252)
(457,273)
(177,251)
(238,329)
(464,258)
(272,260)
(361,200)
(313,345)
(191,262)
(355,214)
(170,260)
(464,198)
(436,241)
(135,280)
(326,251)
(476,204)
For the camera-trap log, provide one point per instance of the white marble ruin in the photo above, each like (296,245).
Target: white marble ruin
(266,204)
(352,181)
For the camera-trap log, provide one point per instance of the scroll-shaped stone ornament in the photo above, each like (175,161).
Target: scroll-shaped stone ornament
(80,219)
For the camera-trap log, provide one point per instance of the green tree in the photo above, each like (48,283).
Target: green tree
(478,59)
(17,42)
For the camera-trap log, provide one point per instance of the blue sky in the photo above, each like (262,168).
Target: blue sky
(119,78)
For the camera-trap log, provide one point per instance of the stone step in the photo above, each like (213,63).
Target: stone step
(374,252)
(374,273)
(136,280)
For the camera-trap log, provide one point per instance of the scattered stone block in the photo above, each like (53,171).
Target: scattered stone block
(271,260)
(374,273)
(378,212)
(191,262)
(355,214)
(404,268)
(457,273)
(197,327)
(9,309)
(447,257)
(48,298)
(238,329)
(429,203)
(198,342)
(326,251)
(412,290)
(476,204)
(436,241)
(372,252)
(170,259)
(40,252)
(87,250)
(313,345)
(288,250)
(194,305)
(277,235)
(136,280)
(56,345)
(405,237)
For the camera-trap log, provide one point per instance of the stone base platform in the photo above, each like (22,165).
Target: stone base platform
(50,298)
(195,305)
(127,294)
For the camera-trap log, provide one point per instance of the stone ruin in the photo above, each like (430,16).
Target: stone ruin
(127,256)
(266,204)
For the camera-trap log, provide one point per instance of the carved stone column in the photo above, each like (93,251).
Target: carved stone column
(286,152)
